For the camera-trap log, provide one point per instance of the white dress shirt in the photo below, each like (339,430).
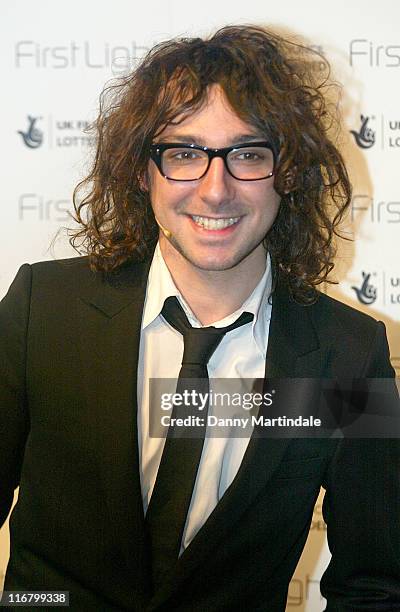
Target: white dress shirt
(241,354)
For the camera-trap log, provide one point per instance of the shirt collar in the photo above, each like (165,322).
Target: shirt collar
(160,285)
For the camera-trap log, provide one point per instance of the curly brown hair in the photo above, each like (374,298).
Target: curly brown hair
(276,85)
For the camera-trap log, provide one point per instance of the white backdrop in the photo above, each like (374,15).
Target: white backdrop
(56,57)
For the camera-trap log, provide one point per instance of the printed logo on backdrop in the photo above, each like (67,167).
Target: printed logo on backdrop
(60,133)
(365,136)
(364,206)
(372,54)
(38,207)
(366,292)
(372,129)
(32,137)
(394,288)
(305,590)
(381,287)
(84,54)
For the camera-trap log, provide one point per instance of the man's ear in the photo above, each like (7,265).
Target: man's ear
(144,181)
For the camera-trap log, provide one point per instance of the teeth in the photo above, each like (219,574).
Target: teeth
(214,224)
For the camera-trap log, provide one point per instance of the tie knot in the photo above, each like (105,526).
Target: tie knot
(199,342)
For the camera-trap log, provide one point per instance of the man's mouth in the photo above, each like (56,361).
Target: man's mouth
(214,224)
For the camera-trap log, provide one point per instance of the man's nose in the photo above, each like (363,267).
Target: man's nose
(216,186)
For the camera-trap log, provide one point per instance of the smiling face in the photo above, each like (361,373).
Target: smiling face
(217,222)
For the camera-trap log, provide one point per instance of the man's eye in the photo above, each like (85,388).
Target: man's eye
(183,155)
(186,155)
(247,156)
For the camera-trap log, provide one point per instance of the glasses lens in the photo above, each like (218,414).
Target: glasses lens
(250,163)
(184,163)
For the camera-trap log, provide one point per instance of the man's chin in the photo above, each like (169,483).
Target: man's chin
(217,263)
(211,261)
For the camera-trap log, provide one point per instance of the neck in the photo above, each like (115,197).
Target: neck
(213,295)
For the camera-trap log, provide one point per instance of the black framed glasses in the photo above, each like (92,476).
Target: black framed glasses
(251,161)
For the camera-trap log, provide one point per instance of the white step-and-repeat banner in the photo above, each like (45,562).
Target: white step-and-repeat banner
(56,57)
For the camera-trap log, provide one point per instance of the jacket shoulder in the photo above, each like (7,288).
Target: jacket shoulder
(351,335)
(72,265)
(66,279)
(342,315)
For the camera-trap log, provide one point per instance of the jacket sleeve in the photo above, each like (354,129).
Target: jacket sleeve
(14,421)
(362,511)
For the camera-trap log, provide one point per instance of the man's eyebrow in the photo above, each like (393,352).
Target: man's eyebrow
(248,138)
(193,139)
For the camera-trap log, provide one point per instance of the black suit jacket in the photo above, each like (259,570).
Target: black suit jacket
(68,379)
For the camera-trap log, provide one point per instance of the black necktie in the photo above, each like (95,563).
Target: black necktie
(169,504)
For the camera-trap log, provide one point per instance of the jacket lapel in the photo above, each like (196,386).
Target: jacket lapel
(110,314)
(293,351)
(292,339)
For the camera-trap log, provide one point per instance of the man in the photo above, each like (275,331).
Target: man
(214,183)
